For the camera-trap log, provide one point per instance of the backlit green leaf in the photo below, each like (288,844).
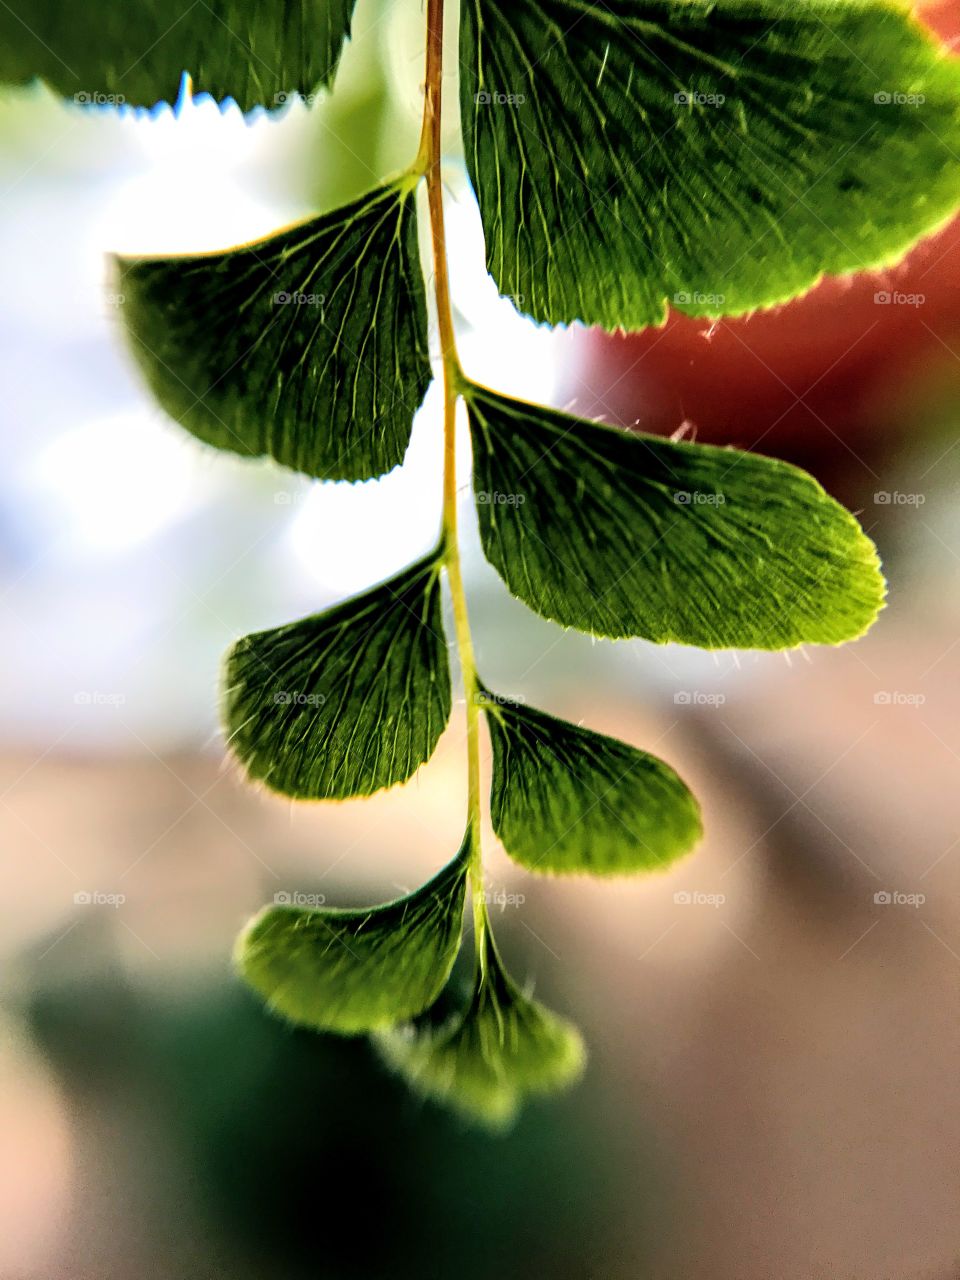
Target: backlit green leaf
(359,970)
(344,702)
(629,535)
(569,801)
(309,346)
(135,52)
(717,154)
(486,1061)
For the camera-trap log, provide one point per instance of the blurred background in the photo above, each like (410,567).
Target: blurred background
(773,1025)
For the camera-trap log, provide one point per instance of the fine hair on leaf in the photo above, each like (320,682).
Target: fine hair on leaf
(628,158)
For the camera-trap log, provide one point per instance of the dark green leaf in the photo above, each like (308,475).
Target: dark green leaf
(356,971)
(718,154)
(568,801)
(630,535)
(135,52)
(309,346)
(488,1059)
(344,702)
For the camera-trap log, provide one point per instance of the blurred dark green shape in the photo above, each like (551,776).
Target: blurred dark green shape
(489,1058)
(240,1143)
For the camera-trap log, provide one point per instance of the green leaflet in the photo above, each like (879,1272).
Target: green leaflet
(629,535)
(345,702)
(485,1062)
(568,801)
(309,346)
(718,154)
(135,52)
(360,970)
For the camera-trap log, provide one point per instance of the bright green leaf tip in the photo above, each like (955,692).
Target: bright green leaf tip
(354,971)
(489,1059)
(567,801)
(346,702)
(620,534)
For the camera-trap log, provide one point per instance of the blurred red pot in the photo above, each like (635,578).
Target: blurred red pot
(830,380)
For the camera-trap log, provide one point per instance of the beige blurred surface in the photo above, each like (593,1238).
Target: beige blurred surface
(792,1041)
(772,1091)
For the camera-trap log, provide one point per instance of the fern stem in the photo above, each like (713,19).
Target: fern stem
(429,161)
